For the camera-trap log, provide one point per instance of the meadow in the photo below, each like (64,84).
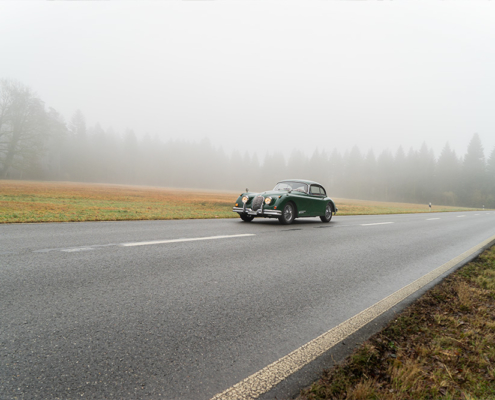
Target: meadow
(29,201)
(23,201)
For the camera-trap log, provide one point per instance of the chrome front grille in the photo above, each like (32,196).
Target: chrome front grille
(257,202)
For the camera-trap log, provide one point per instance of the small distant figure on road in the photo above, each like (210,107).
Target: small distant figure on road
(429,205)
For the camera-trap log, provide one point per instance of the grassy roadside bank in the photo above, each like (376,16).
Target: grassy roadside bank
(26,201)
(441,347)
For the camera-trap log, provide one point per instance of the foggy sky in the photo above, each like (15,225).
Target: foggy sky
(264,76)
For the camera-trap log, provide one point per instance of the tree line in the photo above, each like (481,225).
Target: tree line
(37,143)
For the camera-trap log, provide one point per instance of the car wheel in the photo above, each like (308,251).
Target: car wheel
(328,214)
(288,214)
(246,218)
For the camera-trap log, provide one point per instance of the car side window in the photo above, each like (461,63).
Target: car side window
(317,191)
(300,187)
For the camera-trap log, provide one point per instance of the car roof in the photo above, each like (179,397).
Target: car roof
(301,181)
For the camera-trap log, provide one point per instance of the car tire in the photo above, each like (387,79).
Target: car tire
(328,214)
(288,214)
(246,218)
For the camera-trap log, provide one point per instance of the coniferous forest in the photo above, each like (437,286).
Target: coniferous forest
(37,143)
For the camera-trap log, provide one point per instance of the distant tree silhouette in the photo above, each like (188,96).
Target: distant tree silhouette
(385,173)
(336,173)
(38,144)
(447,177)
(354,173)
(399,184)
(473,173)
(426,173)
(490,180)
(24,129)
(369,174)
(57,129)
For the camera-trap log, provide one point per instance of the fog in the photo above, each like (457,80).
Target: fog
(262,76)
(254,83)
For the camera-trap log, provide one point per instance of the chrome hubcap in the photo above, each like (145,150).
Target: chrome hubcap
(328,212)
(288,212)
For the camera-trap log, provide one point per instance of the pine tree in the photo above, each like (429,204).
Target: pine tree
(473,171)
(490,180)
(447,177)
(354,173)
(426,173)
(335,173)
(369,176)
(398,174)
(385,167)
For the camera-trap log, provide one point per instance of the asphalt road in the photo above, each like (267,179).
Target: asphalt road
(100,310)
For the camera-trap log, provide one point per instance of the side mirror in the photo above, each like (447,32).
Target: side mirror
(247,190)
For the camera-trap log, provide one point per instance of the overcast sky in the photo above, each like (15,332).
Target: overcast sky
(264,75)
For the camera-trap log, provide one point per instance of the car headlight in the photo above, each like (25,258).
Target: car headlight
(268,200)
(245,199)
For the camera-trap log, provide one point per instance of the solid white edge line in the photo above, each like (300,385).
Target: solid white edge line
(267,378)
(377,223)
(184,240)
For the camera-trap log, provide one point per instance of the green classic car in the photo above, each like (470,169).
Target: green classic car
(289,199)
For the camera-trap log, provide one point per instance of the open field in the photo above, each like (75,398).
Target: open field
(368,207)
(22,201)
(441,347)
(26,201)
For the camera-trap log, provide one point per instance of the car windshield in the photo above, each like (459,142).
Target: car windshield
(288,185)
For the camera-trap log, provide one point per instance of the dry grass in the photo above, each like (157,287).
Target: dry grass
(366,207)
(24,201)
(441,347)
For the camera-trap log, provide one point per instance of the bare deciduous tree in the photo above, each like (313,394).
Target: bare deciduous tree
(23,127)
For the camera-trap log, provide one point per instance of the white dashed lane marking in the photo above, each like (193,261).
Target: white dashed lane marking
(377,223)
(77,249)
(132,244)
(460,216)
(184,240)
(431,219)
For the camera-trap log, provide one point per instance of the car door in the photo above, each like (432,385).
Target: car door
(318,204)
(302,199)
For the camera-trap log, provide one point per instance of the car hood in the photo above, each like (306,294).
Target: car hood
(269,193)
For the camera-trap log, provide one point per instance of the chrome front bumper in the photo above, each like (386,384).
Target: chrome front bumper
(261,212)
